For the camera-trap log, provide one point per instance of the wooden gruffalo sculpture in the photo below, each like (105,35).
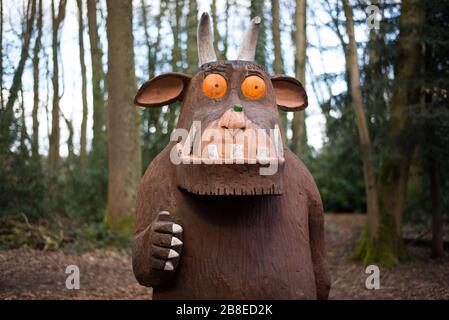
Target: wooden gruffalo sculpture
(211,224)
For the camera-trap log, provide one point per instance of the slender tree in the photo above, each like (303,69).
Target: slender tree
(123,118)
(99,143)
(36,59)
(217,37)
(176,28)
(83,139)
(151,142)
(433,144)
(2,103)
(23,129)
(7,115)
(364,136)
(226,35)
(176,60)
(436,200)
(299,140)
(57,19)
(70,144)
(148,44)
(278,64)
(192,54)
(276,30)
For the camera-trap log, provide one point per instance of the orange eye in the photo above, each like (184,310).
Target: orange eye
(253,87)
(215,86)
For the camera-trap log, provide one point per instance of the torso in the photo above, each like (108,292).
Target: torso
(241,247)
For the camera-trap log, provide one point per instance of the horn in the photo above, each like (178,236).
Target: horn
(249,42)
(206,52)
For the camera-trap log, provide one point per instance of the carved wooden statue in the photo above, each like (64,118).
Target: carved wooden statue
(225,211)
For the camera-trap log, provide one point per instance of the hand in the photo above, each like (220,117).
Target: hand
(166,244)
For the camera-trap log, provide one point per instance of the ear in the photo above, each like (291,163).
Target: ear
(290,94)
(162,90)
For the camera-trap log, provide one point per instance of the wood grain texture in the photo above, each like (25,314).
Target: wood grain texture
(250,247)
(237,241)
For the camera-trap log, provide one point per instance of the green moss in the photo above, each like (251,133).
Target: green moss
(387,250)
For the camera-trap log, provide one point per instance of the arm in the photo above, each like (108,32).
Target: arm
(157,241)
(317,247)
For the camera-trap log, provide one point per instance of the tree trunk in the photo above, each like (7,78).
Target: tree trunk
(151,116)
(215,28)
(176,51)
(277,63)
(396,162)
(99,143)
(300,40)
(436,205)
(83,137)
(175,62)
(434,143)
(7,115)
(192,51)
(364,137)
(123,118)
(2,103)
(53,157)
(226,36)
(143,7)
(36,52)
(23,129)
(388,248)
(375,75)
(157,44)
(70,146)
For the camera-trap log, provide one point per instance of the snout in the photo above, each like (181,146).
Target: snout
(233,119)
(232,139)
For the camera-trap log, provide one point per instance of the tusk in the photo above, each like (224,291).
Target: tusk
(249,42)
(206,52)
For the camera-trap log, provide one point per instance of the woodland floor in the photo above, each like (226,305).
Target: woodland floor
(107,274)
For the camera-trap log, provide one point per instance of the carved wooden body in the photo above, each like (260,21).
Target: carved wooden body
(214,226)
(246,247)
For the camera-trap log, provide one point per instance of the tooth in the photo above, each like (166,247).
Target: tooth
(176,228)
(168,266)
(262,153)
(172,254)
(237,151)
(212,151)
(175,242)
(278,142)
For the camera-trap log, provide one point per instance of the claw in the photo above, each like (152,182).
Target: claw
(175,242)
(176,228)
(172,254)
(168,266)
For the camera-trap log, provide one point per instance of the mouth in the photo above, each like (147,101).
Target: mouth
(217,145)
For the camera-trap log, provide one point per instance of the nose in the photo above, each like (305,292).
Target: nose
(233,118)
